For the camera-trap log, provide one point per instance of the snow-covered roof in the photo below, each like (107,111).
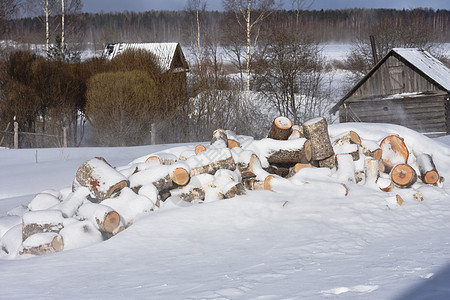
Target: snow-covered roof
(165,52)
(426,63)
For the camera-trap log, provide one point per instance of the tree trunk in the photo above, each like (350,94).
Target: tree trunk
(297,167)
(100,178)
(213,166)
(403,175)
(281,128)
(427,169)
(316,131)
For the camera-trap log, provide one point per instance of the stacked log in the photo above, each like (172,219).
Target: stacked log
(105,200)
(316,131)
(280,129)
(100,178)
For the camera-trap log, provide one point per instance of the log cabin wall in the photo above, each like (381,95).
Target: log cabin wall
(426,113)
(395,76)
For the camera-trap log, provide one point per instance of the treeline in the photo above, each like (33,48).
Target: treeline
(162,26)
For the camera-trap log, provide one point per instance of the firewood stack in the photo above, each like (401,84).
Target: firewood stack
(104,200)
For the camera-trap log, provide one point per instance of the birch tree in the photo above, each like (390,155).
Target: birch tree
(249,14)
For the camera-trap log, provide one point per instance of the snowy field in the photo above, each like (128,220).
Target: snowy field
(294,243)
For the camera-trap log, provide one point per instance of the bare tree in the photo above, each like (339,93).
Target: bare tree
(249,14)
(409,31)
(196,8)
(7,9)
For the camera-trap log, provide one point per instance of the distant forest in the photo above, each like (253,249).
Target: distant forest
(95,30)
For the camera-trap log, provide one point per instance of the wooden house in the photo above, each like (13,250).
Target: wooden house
(169,55)
(407,87)
(172,63)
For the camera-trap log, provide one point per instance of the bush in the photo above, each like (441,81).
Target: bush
(120,106)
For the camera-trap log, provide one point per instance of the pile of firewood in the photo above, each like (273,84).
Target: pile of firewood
(104,200)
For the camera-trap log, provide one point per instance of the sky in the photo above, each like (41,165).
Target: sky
(145,5)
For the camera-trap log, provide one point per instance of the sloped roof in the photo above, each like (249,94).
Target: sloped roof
(421,60)
(165,52)
(426,63)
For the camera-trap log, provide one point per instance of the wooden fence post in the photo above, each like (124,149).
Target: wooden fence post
(16,135)
(153,134)
(64,137)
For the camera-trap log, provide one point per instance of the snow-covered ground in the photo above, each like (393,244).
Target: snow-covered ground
(295,243)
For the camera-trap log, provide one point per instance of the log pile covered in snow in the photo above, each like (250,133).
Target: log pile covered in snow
(104,200)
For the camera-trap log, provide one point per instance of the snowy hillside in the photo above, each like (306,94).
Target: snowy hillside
(301,241)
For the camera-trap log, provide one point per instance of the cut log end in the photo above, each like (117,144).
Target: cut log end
(394,150)
(111,221)
(116,188)
(431,177)
(399,199)
(267,185)
(281,128)
(355,138)
(232,144)
(403,175)
(199,149)
(180,176)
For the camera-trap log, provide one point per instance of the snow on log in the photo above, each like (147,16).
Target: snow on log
(186,154)
(316,131)
(163,177)
(43,201)
(72,203)
(350,137)
(100,178)
(427,169)
(210,161)
(42,243)
(11,241)
(372,171)
(232,139)
(295,134)
(394,151)
(197,188)
(80,234)
(8,222)
(161,159)
(233,189)
(345,167)
(403,175)
(385,184)
(281,128)
(103,217)
(293,151)
(219,138)
(129,205)
(199,148)
(352,149)
(19,210)
(297,167)
(41,221)
(371,148)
